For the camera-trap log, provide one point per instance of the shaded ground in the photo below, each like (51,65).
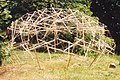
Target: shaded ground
(55,69)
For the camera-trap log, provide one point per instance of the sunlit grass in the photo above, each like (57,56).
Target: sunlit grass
(55,69)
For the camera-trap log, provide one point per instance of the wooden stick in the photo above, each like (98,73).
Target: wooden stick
(55,40)
(97,57)
(12,35)
(48,52)
(70,57)
(28,52)
(37,58)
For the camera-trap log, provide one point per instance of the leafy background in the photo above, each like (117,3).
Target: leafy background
(10,10)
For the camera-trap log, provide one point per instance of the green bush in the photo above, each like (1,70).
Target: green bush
(4,52)
(12,9)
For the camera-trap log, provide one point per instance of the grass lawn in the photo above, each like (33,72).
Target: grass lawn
(26,68)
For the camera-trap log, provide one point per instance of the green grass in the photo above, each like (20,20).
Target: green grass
(55,69)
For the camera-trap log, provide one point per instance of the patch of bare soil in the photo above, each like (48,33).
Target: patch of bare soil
(3,70)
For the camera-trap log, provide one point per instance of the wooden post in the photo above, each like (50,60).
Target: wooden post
(68,49)
(37,58)
(12,35)
(84,39)
(55,40)
(69,61)
(48,51)
(27,50)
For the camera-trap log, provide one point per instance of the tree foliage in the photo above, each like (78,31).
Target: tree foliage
(108,13)
(10,10)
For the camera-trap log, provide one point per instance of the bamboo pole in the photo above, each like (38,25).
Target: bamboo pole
(37,58)
(12,34)
(69,60)
(48,52)
(58,21)
(27,50)
(55,39)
